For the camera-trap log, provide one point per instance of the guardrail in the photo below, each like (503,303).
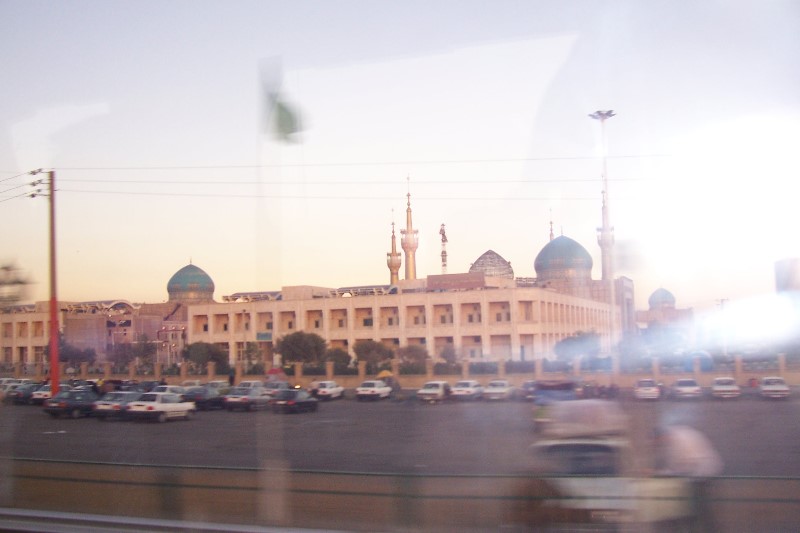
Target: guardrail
(236,498)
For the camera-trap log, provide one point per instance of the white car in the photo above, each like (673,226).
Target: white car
(271,388)
(174,389)
(725,388)
(43,393)
(374,389)
(329,390)
(773,387)
(434,391)
(686,388)
(467,389)
(161,406)
(498,389)
(647,389)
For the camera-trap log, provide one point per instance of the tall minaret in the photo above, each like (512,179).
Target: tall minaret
(409,242)
(393,261)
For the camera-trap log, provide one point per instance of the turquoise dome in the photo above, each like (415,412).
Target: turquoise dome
(562,254)
(660,299)
(190,283)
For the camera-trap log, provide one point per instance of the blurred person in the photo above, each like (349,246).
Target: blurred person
(686,452)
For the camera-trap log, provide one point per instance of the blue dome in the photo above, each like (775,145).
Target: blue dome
(190,283)
(562,254)
(661,299)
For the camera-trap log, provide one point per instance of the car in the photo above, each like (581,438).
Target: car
(773,387)
(191,383)
(272,387)
(73,402)
(374,389)
(222,386)
(498,389)
(434,391)
(114,404)
(21,393)
(585,457)
(646,389)
(527,391)
(174,389)
(250,384)
(8,386)
(467,389)
(205,398)
(686,388)
(246,399)
(161,406)
(44,393)
(143,386)
(550,391)
(8,381)
(329,390)
(294,401)
(725,387)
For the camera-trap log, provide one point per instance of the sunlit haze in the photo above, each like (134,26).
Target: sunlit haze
(151,114)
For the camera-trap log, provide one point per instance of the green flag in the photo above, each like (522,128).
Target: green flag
(282,119)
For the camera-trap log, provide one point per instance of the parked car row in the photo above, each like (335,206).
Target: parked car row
(772,387)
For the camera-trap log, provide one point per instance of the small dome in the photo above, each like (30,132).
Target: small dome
(661,299)
(492,265)
(562,257)
(190,284)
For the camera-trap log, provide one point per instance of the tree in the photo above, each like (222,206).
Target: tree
(586,344)
(448,353)
(68,353)
(339,357)
(301,347)
(372,352)
(252,355)
(201,353)
(413,354)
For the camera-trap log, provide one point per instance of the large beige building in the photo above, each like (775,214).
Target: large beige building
(484,314)
(481,318)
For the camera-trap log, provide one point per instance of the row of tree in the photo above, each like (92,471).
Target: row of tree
(310,348)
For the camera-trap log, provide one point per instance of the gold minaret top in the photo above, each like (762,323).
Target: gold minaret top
(409,241)
(393,261)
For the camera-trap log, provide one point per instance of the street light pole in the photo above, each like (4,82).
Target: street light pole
(606,233)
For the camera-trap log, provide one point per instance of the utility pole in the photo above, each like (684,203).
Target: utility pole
(54,333)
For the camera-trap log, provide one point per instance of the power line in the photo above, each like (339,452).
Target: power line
(227,182)
(373,163)
(323,197)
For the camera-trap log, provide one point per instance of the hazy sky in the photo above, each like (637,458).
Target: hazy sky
(151,114)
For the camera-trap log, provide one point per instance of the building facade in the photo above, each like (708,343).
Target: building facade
(480,318)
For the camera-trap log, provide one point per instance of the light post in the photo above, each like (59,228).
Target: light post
(605,236)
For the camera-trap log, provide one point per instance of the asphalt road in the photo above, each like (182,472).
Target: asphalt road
(754,437)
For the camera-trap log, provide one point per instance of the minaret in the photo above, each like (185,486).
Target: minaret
(393,261)
(444,249)
(409,241)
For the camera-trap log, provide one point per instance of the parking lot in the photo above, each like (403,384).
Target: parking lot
(755,437)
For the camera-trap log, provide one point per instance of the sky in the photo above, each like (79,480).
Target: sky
(153,114)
